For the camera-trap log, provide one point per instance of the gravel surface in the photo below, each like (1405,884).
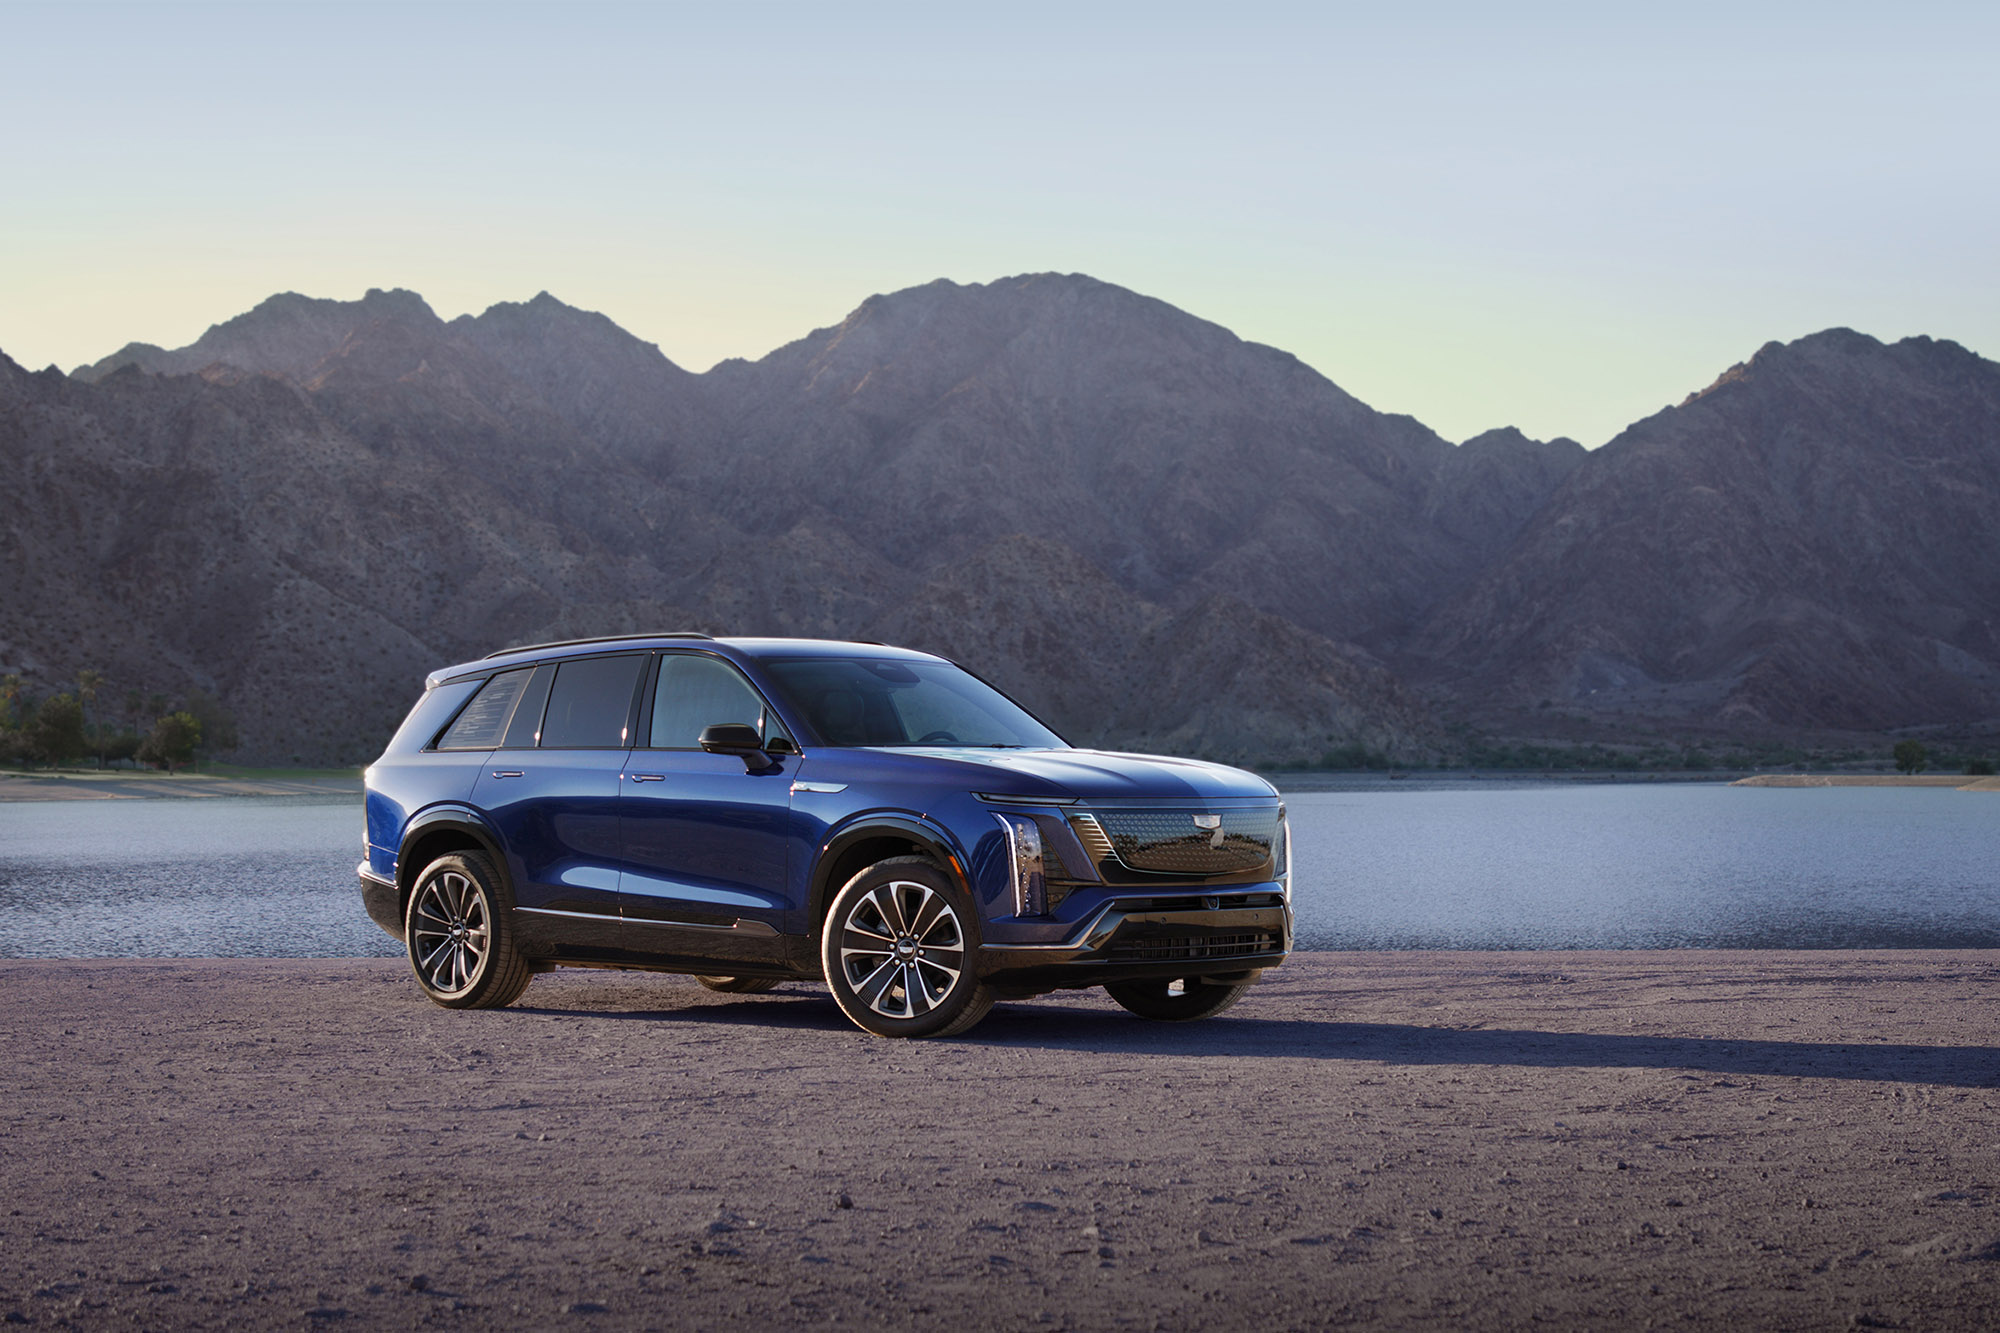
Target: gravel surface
(1778,1140)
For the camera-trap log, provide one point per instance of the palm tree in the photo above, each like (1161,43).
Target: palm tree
(87,681)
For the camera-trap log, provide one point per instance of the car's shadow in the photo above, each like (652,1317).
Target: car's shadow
(1067,1028)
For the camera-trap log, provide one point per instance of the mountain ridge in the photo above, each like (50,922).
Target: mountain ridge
(1154,530)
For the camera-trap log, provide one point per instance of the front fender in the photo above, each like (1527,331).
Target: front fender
(936,841)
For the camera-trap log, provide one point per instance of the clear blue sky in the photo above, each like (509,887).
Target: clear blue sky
(1561,217)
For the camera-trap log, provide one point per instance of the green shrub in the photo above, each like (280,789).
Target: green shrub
(54,735)
(172,741)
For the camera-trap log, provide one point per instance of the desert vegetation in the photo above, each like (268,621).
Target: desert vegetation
(88,722)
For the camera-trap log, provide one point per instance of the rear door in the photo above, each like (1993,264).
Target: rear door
(706,840)
(552,794)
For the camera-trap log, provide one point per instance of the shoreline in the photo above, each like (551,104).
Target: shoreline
(1944,781)
(1579,1140)
(134,784)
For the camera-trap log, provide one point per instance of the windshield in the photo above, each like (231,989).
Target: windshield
(873,701)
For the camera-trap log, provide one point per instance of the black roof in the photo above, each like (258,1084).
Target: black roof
(602,638)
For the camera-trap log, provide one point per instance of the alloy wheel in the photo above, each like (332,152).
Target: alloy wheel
(450,932)
(902,949)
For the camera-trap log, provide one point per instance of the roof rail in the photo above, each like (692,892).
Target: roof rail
(602,638)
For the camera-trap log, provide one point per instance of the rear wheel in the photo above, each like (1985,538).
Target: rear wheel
(459,934)
(1179,1000)
(898,948)
(739,985)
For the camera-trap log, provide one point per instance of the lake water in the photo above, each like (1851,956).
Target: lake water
(1495,866)
(1646,866)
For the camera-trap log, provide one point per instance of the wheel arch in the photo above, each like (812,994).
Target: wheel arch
(877,838)
(436,832)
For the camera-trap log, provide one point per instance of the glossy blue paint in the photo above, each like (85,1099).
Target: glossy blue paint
(687,860)
(406,779)
(706,840)
(556,812)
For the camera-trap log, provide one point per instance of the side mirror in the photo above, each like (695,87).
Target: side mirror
(739,739)
(731,738)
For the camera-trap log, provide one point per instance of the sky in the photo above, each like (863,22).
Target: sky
(1557,217)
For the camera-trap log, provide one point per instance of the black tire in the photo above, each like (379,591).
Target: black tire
(739,985)
(458,932)
(1177,1001)
(920,981)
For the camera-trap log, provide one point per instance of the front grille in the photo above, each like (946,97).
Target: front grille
(1091,834)
(1172,948)
(1170,842)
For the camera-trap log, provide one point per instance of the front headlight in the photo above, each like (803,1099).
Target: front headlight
(1024,856)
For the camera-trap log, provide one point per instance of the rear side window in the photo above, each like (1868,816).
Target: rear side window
(484,721)
(697,692)
(525,731)
(591,703)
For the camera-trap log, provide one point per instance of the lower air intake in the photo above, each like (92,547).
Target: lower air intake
(1174,948)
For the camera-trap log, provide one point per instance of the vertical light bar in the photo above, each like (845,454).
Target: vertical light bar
(1024,856)
(1283,859)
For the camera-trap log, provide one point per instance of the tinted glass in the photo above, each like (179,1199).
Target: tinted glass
(525,730)
(696,692)
(484,720)
(872,701)
(591,703)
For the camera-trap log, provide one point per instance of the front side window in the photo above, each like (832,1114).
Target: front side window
(876,701)
(481,724)
(696,692)
(590,704)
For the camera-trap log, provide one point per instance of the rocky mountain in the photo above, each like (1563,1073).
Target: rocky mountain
(288,335)
(1157,534)
(318,501)
(1802,545)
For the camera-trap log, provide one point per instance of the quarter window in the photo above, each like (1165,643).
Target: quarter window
(590,705)
(482,723)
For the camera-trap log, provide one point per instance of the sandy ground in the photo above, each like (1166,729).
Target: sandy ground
(130,784)
(1768,1140)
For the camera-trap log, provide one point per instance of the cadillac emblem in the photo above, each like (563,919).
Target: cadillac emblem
(1213,823)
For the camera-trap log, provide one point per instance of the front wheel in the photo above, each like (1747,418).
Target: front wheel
(898,949)
(1176,1001)
(459,933)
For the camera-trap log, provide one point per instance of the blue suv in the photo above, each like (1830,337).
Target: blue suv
(752,811)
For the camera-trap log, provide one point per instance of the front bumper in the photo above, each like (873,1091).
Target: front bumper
(1131,940)
(382,899)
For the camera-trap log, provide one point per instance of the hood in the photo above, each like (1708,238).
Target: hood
(1103,775)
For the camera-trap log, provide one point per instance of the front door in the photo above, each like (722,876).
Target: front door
(705,838)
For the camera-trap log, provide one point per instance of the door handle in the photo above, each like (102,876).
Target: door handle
(506,772)
(647,777)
